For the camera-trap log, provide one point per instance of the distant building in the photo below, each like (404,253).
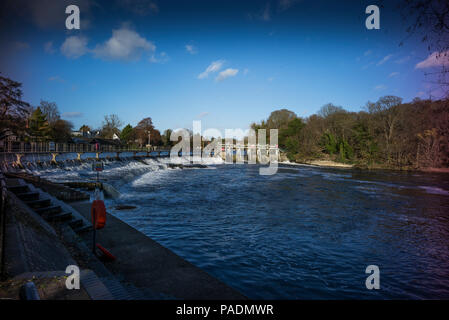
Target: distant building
(85,134)
(6,135)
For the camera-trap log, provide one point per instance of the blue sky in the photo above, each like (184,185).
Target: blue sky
(140,58)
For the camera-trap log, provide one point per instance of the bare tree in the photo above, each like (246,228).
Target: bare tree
(429,19)
(51,112)
(111,125)
(280,118)
(387,111)
(329,109)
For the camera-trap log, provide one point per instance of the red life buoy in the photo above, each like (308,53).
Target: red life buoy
(98,213)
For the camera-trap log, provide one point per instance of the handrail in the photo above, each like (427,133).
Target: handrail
(47,147)
(3,200)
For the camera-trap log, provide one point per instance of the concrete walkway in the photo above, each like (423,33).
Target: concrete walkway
(147,264)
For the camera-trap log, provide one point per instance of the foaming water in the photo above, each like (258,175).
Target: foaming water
(303,233)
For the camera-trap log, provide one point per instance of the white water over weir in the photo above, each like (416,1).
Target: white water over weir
(28,155)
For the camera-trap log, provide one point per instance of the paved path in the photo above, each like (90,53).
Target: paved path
(147,264)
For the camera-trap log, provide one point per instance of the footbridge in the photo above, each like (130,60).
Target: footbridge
(15,153)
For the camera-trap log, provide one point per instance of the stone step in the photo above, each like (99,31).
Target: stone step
(116,289)
(76,223)
(94,286)
(82,229)
(41,203)
(28,196)
(19,189)
(48,210)
(64,216)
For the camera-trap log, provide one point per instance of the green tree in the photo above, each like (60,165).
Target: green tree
(290,137)
(13,110)
(126,133)
(329,143)
(365,146)
(11,99)
(38,126)
(166,138)
(280,118)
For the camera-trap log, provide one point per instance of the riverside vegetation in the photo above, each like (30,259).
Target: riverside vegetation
(385,134)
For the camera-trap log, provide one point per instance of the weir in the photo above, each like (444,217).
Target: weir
(33,152)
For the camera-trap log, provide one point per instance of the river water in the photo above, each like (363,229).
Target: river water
(303,233)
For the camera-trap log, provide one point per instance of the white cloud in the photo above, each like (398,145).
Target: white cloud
(48,47)
(402,60)
(385,59)
(191,49)
(367,65)
(72,114)
(436,59)
(74,47)
(161,58)
(125,44)
(380,87)
(56,79)
(226,74)
(393,74)
(367,53)
(202,114)
(213,67)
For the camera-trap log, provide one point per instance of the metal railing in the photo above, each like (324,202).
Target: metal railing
(45,147)
(3,200)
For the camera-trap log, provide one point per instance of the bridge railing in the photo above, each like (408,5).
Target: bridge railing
(45,147)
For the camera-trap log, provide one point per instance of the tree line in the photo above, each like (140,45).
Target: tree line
(44,123)
(385,134)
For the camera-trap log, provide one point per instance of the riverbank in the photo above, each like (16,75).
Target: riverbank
(320,163)
(334,164)
(145,263)
(143,269)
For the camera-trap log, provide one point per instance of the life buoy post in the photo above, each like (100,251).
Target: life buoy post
(98,212)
